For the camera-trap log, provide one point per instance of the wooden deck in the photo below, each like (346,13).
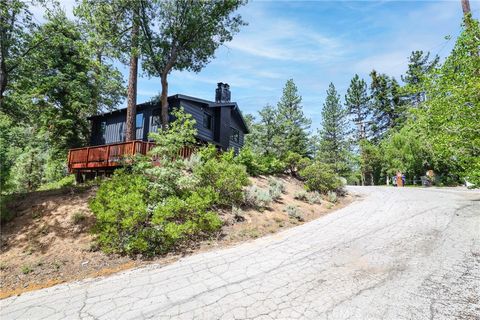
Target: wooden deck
(109,156)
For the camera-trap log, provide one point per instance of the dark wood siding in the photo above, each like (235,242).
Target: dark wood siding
(197,111)
(223,119)
(235,123)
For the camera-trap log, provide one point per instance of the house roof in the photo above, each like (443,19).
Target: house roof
(210,104)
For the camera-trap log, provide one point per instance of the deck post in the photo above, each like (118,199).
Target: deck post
(69,159)
(108,155)
(88,154)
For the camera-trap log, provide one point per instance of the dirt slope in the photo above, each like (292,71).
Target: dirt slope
(50,240)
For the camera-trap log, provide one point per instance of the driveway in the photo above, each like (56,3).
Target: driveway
(400,253)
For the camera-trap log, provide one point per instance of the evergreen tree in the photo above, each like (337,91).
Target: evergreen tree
(53,93)
(16,24)
(419,66)
(264,137)
(292,122)
(333,144)
(388,107)
(357,103)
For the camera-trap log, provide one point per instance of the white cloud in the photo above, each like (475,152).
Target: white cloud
(270,37)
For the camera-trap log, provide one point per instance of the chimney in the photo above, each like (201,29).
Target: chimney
(222,93)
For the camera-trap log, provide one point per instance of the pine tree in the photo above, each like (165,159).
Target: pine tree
(357,103)
(333,145)
(264,134)
(419,66)
(388,107)
(293,123)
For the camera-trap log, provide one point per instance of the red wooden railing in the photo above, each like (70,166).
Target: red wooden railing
(110,155)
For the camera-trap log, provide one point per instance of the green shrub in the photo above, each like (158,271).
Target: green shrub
(275,188)
(320,177)
(275,193)
(153,209)
(26,269)
(224,177)
(78,217)
(238,213)
(332,197)
(5,213)
(185,219)
(314,197)
(310,197)
(272,165)
(301,195)
(64,182)
(249,159)
(276,183)
(293,212)
(121,209)
(258,164)
(257,197)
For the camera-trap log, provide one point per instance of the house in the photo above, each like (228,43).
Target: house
(219,122)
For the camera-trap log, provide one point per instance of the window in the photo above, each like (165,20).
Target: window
(207,121)
(235,135)
(139,120)
(156,119)
(103,127)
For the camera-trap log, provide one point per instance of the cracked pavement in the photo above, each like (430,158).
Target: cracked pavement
(400,253)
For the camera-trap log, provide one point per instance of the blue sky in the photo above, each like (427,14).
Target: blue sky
(315,43)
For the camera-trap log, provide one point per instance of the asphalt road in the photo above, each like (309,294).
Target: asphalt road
(397,254)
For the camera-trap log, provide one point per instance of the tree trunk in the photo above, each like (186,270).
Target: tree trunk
(466,6)
(164,100)
(132,82)
(3,80)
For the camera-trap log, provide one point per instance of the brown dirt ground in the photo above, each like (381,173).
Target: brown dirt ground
(49,241)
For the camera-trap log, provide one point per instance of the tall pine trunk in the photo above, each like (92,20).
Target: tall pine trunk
(3,80)
(132,82)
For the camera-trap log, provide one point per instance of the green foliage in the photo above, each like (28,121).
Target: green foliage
(282,130)
(188,45)
(78,217)
(293,125)
(419,67)
(275,183)
(449,118)
(301,195)
(257,197)
(154,209)
(333,143)
(64,182)
(357,102)
(310,197)
(54,83)
(121,209)
(332,197)
(275,188)
(181,219)
(5,213)
(259,164)
(320,177)
(405,151)
(181,133)
(224,177)
(293,212)
(388,109)
(26,269)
